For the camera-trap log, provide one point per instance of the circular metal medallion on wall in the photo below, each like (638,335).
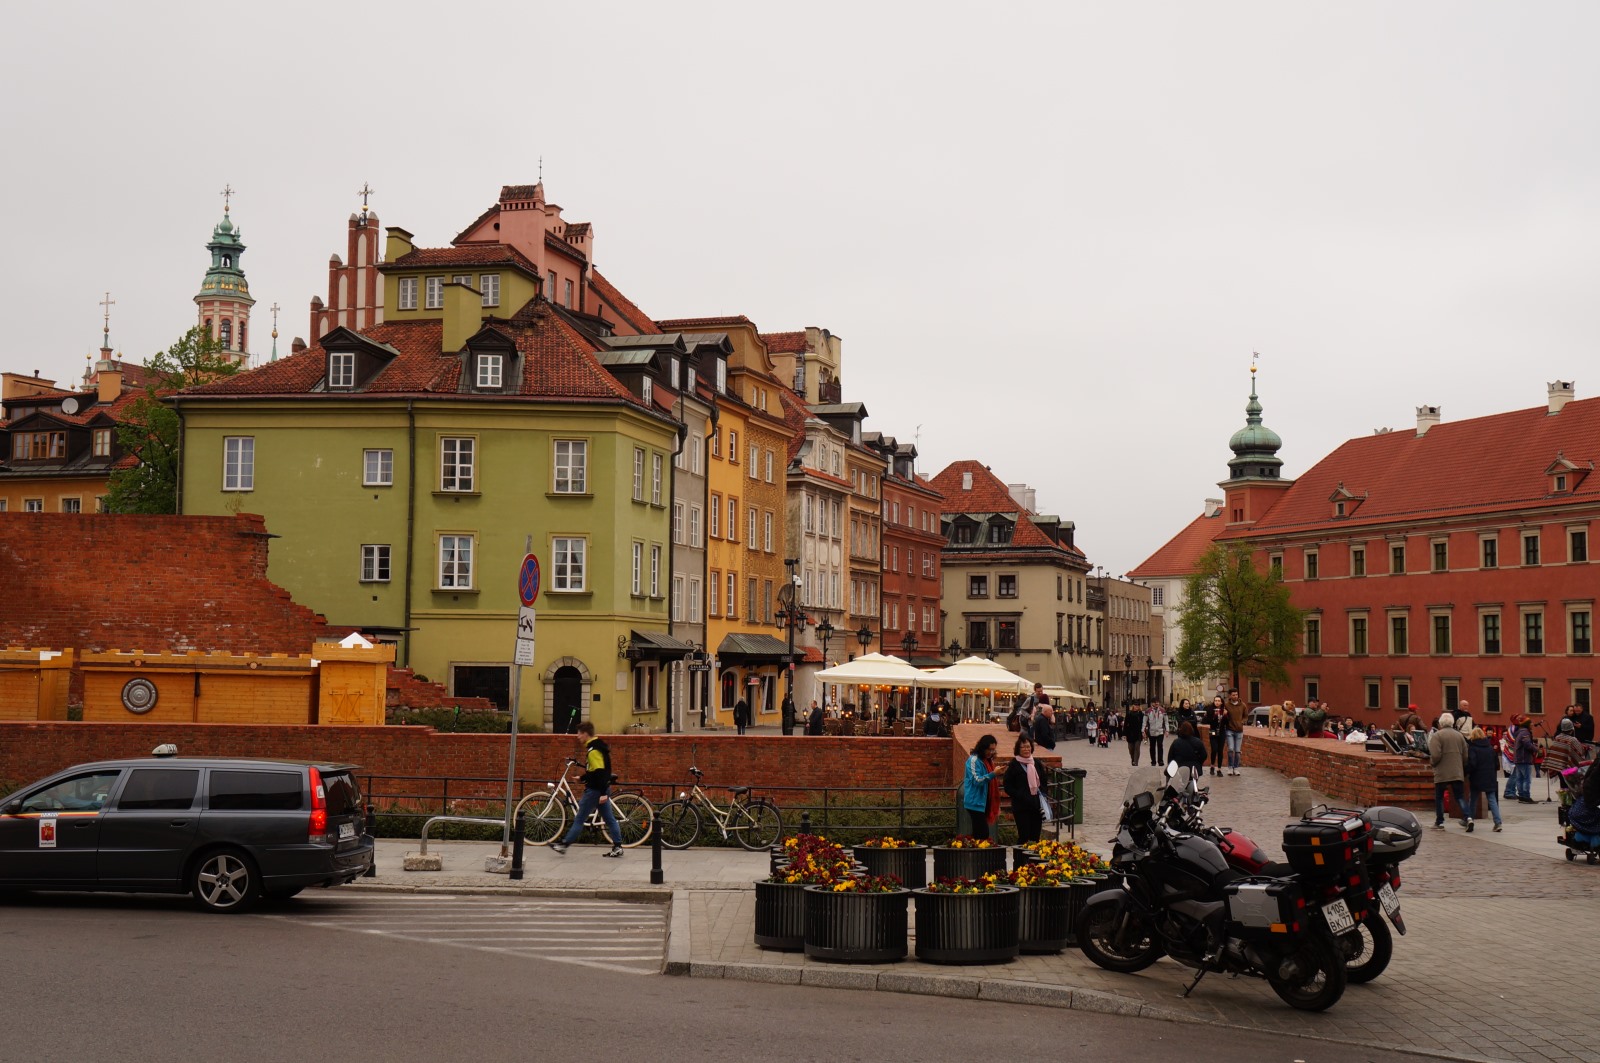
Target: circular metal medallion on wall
(139,696)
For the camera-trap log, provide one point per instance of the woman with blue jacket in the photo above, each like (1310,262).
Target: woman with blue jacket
(977,796)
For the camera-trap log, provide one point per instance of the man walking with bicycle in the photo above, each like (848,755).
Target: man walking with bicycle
(597,778)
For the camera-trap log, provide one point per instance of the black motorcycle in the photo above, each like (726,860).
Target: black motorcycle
(1177,896)
(1350,900)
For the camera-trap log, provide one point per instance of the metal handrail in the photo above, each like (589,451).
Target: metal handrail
(453,819)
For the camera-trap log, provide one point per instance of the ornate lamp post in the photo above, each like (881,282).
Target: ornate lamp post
(954,650)
(864,636)
(1127,668)
(790,616)
(909,644)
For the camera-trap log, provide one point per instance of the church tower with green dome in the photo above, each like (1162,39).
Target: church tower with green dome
(224,299)
(1254,480)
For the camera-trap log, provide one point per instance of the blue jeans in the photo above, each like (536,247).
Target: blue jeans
(1521,782)
(1457,792)
(586,807)
(1493,797)
(1235,741)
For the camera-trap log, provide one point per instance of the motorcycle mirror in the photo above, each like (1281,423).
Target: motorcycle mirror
(1172,769)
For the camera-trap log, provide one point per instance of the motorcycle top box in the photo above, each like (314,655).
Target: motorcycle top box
(1328,844)
(1396,834)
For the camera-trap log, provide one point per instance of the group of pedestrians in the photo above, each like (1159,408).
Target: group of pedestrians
(1466,763)
(1147,726)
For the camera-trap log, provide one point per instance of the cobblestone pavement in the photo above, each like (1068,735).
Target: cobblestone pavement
(1477,977)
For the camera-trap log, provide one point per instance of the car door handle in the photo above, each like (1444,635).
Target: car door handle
(84,824)
(179,823)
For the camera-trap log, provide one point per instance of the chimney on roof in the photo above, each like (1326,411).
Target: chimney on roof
(1024,496)
(1213,506)
(399,243)
(108,379)
(297,345)
(1427,417)
(1560,394)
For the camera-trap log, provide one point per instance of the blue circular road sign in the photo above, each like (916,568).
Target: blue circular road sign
(528,580)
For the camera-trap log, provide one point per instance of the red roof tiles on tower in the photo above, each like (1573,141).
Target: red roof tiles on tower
(784,341)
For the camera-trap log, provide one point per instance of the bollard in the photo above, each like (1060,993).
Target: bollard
(1300,796)
(656,876)
(516,846)
(372,829)
(805,823)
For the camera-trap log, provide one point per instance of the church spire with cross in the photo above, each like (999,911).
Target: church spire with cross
(224,299)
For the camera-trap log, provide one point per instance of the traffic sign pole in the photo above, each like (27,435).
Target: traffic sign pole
(528,592)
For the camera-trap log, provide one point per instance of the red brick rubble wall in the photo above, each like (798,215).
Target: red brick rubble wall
(93,581)
(31,750)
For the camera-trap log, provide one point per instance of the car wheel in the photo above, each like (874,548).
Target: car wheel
(224,880)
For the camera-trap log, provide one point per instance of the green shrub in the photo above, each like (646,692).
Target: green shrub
(453,720)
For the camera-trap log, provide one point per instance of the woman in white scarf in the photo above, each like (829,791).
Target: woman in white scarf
(1022,786)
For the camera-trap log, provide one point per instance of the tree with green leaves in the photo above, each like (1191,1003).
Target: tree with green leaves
(1237,619)
(150,430)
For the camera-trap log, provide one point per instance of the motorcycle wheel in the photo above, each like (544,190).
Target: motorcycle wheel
(1367,949)
(1117,938)
(1310,976)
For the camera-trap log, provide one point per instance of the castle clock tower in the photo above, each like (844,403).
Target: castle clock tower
(224,300)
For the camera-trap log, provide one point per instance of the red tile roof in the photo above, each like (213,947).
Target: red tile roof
(621,305)
(694,324)
(465,255)
(1181,554)
(989,494)
(1479,465)
(784,341)
(794,415)
(558,363)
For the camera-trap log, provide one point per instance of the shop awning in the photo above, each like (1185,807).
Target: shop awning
(656,645)
(754,649)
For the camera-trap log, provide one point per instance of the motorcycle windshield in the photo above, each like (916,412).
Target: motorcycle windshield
(1143,779)
(1185,780)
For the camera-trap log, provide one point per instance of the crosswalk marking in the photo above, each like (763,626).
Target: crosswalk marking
(609,935)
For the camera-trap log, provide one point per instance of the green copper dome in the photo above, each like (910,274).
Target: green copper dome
(225,278)
(1255,446)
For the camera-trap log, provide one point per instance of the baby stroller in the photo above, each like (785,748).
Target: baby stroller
(1574,837)
(1104,737)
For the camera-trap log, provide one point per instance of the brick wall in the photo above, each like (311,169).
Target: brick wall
(1344,772)
(95,581)
(31,750)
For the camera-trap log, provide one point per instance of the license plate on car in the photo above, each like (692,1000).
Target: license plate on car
(1337,913)
(1386,897)
(348,831)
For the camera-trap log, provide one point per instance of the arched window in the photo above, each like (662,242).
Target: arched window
(227,334)
(227,260)
(242,326)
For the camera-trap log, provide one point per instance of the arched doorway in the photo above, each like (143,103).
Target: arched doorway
(567,691)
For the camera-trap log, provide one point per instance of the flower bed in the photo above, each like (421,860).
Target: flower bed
(906,861)
(967,858)
(857,920)
(968,921)
(807,860)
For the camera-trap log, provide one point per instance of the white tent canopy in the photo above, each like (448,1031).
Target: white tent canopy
(1057,693)
(873,668)
(978,673)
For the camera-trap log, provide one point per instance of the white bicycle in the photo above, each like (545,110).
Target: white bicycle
(549,813)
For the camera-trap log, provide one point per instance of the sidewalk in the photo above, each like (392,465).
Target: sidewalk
(1478,977)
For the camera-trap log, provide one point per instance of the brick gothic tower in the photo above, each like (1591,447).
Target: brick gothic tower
(355,287)
(224,299)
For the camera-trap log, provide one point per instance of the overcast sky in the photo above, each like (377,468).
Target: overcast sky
(1049,234)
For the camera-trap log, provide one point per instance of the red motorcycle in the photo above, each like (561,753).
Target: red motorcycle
(1350,858)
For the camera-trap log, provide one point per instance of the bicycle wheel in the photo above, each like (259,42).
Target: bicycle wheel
(678,823)
(545,823)
(633,816)
(756,824)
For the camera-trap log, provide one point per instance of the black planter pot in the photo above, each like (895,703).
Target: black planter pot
(1020,856)
(967,863)
(780,915)
(909,865)
(968,927)
(1045,919)
(855,927)
(1079,890)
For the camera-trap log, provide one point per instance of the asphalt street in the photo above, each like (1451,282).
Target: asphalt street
(339,976)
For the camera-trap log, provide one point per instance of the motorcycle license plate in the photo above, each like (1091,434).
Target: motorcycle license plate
(1386,897)
(1337,913)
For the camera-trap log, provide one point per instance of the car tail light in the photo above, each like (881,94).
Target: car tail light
(319,808)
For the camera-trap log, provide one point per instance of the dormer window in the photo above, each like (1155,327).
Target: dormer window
(491,372)
(722,377)
(1344,501)
(1560,482)
(963,533)
(341,369)
(675,374)
(1564,475)
(1000,532)
(647,390)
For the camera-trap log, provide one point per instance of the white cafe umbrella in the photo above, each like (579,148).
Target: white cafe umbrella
(872,668)
(978,673)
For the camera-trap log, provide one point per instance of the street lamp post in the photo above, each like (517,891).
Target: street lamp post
(909,644)
(1149,679)
(792,617)
(1172,677)
(824,633)
(1127,670)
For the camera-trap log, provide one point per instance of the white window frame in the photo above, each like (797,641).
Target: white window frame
(714,527)
(569,564)
(766,531)
(638,568)
(733,520)
(408,293)
(569,466)
(767,459)
(433,293)
(695,539)
(677,523)
(755,461)
(655,570)
(375,563)
(72,505)
(750,519)
(238,463)
(713,593)
(102,442)
(458,464)
(677,599)
(694,600)
(489,285)
(733,595)
(491,371)
(377,468)
(722,376)
(456,561)
(697,446)
(638,474)
(655,479)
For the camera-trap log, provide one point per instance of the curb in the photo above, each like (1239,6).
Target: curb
(1005,991)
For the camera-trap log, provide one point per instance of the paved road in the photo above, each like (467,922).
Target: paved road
(607,935)
(116,978)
